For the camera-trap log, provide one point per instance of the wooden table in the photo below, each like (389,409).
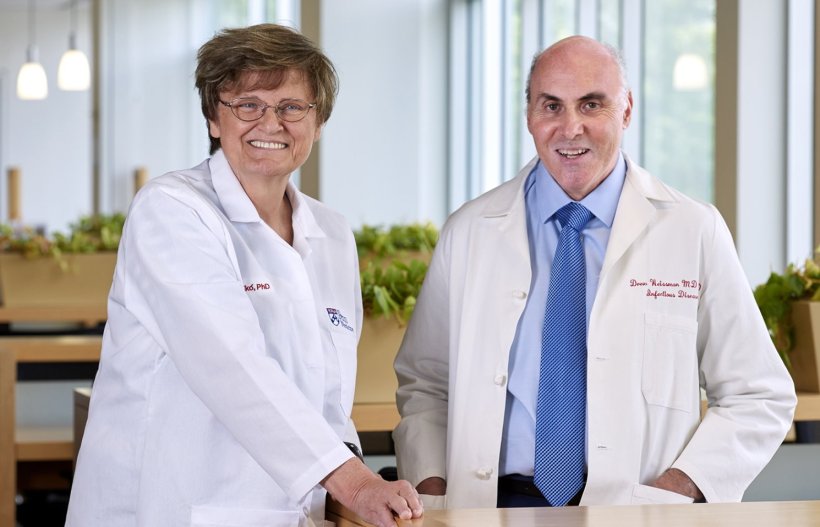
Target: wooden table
(754,514)
(383,417)
(808,407)
(90,315)
(33,443)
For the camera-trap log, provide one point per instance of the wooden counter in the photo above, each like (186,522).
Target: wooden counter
(86,315)
(33,443)
(383,417)
(756,514)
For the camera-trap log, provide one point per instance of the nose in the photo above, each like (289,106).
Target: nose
(270,120)
(572,125)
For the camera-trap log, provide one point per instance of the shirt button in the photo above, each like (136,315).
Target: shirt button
(500,379)
(484,473)
(520,295)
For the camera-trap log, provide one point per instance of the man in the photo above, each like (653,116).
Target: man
(514,394)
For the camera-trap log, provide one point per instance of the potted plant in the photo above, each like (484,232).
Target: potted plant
(393,262)
(788,303)
(73,269)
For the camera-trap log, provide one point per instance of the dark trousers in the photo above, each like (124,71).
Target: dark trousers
(516,490)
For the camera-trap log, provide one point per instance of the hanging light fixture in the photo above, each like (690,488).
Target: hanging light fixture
(73,73)
(31,81)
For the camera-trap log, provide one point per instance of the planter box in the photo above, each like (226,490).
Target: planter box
(42,282)
(375,379)
(805,357)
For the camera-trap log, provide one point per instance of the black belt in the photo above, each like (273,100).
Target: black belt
(518,484)
(524,485)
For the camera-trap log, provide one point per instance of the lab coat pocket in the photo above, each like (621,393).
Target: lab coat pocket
(431,502)
(345,344)
(648,495)
(669,375)
(207,516)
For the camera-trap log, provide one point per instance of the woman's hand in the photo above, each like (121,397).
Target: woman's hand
(368,495)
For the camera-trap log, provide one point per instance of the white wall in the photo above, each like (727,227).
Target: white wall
(383,155)
(48,139)
(150,108)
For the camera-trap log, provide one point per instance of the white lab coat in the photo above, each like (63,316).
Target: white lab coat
(228,364)
(648,353)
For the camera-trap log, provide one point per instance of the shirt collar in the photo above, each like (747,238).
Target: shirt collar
(235,202)
(602,201)
(239,207)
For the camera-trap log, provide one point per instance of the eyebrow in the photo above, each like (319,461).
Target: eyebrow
(595,95)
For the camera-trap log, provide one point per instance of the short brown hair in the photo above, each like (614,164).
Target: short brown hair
(268,50)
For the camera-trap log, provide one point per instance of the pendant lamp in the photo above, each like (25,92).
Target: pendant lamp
(73,73)
(31,81)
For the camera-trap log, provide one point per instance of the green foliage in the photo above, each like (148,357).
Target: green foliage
(776,296)
(392,290)
(90,234)
(382,242)
(393,266)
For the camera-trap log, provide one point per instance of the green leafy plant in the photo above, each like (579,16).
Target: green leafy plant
(380,242)
(90,234)
(392,290)
(776,296)
(393,265)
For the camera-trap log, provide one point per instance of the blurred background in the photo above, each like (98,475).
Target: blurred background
(430,114)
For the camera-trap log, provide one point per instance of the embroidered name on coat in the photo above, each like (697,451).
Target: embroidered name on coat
(677,289)
(256,287)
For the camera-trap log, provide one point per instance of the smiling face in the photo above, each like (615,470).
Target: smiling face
(578,110)
(268,147)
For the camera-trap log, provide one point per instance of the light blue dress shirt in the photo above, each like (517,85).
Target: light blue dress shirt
(543,198)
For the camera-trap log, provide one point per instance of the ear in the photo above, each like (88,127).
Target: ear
(628,109)
(213,128)
(529,119)
(318,133)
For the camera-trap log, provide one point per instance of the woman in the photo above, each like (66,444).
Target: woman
(228,364)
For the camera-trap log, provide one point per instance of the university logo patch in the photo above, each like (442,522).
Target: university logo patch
(338,319)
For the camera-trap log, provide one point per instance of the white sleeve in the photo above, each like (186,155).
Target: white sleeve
(750,392)
(422,367)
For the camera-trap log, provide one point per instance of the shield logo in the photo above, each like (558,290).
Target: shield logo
(334,316)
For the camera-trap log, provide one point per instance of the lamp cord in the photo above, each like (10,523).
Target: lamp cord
(32,37)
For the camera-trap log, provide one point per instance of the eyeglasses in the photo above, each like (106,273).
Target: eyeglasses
(252,109)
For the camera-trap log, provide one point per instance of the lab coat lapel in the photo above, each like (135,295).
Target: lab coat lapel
(635,212)
(235,202)
(505,269)
(505,218)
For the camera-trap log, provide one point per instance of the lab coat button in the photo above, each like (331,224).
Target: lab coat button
(500,379)
(484,473)
(520,294)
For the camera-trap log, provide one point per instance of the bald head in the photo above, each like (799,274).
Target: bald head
(577,110)
(582,48)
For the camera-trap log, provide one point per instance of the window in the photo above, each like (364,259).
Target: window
(678,94)
(492,45)
(235,13)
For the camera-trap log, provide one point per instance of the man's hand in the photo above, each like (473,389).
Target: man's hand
(675,480)
(433,487)
(368,495)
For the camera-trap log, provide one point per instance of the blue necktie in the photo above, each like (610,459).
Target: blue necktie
(560,415)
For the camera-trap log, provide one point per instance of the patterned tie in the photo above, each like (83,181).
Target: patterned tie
(560,415)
